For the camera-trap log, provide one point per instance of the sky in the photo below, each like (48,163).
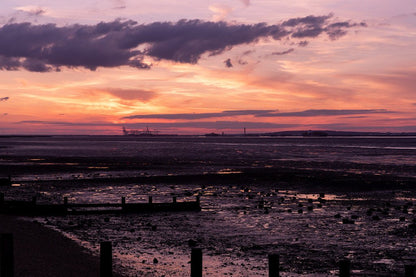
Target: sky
(194,67)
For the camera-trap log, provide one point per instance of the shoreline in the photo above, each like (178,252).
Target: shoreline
(40,251)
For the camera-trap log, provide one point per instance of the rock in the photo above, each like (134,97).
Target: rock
(347,221)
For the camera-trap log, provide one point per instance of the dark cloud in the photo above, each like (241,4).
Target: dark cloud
(37,66)
(308,113)
(4,99)
(9,63)
(47,47)
(303,43)
(313,26)
(194,116)
(283,52)
(228,63)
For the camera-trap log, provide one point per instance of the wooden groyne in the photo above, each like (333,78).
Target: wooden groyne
(32,208)
(8,266)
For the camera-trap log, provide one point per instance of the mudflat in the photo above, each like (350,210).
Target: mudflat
(40,251)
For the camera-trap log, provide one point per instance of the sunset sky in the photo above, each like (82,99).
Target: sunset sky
(193,67)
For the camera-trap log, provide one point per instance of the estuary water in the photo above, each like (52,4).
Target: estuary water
(243,218)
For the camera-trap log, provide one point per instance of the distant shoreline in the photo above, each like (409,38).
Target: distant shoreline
(288,134)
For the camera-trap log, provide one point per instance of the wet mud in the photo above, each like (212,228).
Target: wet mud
(311,205)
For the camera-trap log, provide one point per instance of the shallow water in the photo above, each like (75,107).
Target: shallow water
(234,231)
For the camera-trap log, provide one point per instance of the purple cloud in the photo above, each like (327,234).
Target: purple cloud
(283,52)
(4,99)
(193,116)
(307,113)
(228,63)
(47,47)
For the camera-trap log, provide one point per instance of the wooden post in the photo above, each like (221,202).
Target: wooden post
(174,199)
(409,270)
(65,201)
(196,262)
(34,200)
(273,265)
(1,199)
(106,259)
(344,268)
(150,200)
(6,256)
(198,199)
(123,203)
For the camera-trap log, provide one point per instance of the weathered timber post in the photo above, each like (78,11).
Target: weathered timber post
(123,203)
(6,256)
(1,199)
(65,201)
(106,259)
(196,262)
(34,200)
(409,270)
(273,265)
(174,199)
(150,199)
(198,200)
(344,268)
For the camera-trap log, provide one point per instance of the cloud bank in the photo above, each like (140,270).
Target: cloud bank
(308,113)
(257,113)
(194,116)
(48,47)
(4,99)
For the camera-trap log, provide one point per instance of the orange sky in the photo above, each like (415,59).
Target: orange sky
(362,80)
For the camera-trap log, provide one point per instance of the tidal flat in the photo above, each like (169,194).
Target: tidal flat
(311,203)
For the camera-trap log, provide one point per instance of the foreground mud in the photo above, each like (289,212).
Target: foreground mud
(240,225)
